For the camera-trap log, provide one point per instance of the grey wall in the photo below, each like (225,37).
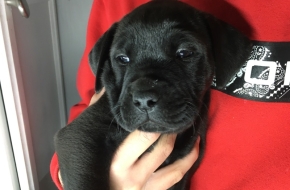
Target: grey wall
(72,19)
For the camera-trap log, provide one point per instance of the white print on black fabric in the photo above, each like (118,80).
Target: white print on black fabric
(262,77)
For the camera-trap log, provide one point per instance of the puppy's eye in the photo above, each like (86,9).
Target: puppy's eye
(123,59)
(183,53)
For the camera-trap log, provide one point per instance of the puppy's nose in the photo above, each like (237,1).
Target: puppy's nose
(145,101)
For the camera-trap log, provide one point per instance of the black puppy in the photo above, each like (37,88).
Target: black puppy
(157,65)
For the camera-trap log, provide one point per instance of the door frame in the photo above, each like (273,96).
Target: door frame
(14,97)
(8,173)
(14,102)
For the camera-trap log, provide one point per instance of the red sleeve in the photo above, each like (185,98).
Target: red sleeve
(103,14)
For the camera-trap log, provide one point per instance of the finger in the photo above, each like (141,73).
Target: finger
(131,149)
(152,160)
(168,176)
(59,178)
(96,97)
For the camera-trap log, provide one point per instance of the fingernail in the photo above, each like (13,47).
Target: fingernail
(150,136)
(198,140)
(168,138)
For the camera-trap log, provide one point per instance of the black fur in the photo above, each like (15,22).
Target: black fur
(161,84)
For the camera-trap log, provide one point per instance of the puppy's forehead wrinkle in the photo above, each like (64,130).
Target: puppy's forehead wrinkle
(144,34)
(153,42)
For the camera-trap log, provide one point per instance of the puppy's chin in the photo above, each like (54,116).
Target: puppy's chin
(151,126)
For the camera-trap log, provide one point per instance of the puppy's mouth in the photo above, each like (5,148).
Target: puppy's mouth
(159,108)
(150,125)
(166,117)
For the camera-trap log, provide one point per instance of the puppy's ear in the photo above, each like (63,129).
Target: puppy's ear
(100,54)
(231,49)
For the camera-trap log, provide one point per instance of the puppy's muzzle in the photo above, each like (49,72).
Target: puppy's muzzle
(145,96)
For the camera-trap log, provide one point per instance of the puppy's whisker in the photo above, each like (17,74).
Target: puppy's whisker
(112,122)
(205,105)
(190,103)
(114,109)
(202,121)
(190,106)
(117,117)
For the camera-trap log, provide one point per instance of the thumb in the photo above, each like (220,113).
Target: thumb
(96,97)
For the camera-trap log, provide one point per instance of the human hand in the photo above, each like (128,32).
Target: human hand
(130,172)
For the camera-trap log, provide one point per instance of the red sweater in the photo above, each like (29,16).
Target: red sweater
(248,143)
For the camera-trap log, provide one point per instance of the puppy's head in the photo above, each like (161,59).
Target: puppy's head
(158,61)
